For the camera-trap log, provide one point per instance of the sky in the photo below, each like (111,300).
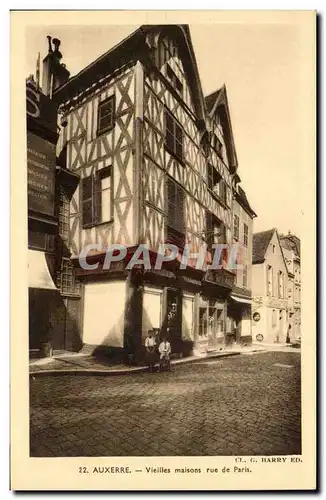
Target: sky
(261,66)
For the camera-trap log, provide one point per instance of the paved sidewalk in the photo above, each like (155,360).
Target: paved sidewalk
(79,363)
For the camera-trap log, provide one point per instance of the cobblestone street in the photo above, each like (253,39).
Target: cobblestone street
(243,405)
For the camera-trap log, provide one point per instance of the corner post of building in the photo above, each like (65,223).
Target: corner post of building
(138,157)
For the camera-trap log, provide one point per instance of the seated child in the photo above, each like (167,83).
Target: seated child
(165,351)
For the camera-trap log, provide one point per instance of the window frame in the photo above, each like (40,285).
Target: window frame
(75,288)
(91,199)
(245,234)
(173,134)
(64,215)
(178,189)
(236,226)
(270,282)
(212,171)
(217,145)
(101,104)
(95,197)
(280,283)
(174,80)
(99,175)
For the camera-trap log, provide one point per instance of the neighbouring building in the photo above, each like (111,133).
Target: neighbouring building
(291,250)
(155,162)
(49,312)
(240,300)
(269,288)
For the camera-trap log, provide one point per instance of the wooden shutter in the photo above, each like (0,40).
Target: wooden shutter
(179,213)
(88,201)
(209,227)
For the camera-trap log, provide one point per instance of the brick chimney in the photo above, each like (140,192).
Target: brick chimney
(55,73)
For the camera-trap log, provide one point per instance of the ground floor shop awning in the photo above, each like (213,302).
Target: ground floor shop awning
(38,272)
(241,299)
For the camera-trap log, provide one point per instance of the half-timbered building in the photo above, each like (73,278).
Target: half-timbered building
(156,163)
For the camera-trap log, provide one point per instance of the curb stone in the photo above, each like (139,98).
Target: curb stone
(125,371)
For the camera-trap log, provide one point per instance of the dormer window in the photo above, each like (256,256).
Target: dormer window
(174,80)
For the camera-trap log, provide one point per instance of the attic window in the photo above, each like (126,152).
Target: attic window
(174,80)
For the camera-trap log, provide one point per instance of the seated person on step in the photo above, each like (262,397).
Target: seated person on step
(165,352)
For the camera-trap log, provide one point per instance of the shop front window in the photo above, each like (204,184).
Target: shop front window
(211,321)
(203,322)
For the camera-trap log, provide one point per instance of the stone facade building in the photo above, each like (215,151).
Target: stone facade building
(270,285)
(240,300)
(291,250)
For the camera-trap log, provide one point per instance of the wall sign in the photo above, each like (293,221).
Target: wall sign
(41,161)
(256,316)
(259,337)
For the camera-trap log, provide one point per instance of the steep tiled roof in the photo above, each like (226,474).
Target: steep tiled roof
(260,243)
(291,242)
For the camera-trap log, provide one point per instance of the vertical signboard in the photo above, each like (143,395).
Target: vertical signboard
(41,159)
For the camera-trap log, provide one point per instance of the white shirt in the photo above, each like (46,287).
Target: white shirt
(150,341)
(165,347)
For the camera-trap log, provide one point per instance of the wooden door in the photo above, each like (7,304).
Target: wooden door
(73,341)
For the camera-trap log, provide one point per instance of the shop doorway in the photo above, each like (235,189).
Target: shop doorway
(174,318)
(211,323)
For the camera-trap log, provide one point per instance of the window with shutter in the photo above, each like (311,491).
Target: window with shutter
(104,195)
(175,207)
(173,136)
(223,190)
(245,234)
(176,83)
(97,198)
(88,201)
(215,229)
(106,115)
(236,226)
